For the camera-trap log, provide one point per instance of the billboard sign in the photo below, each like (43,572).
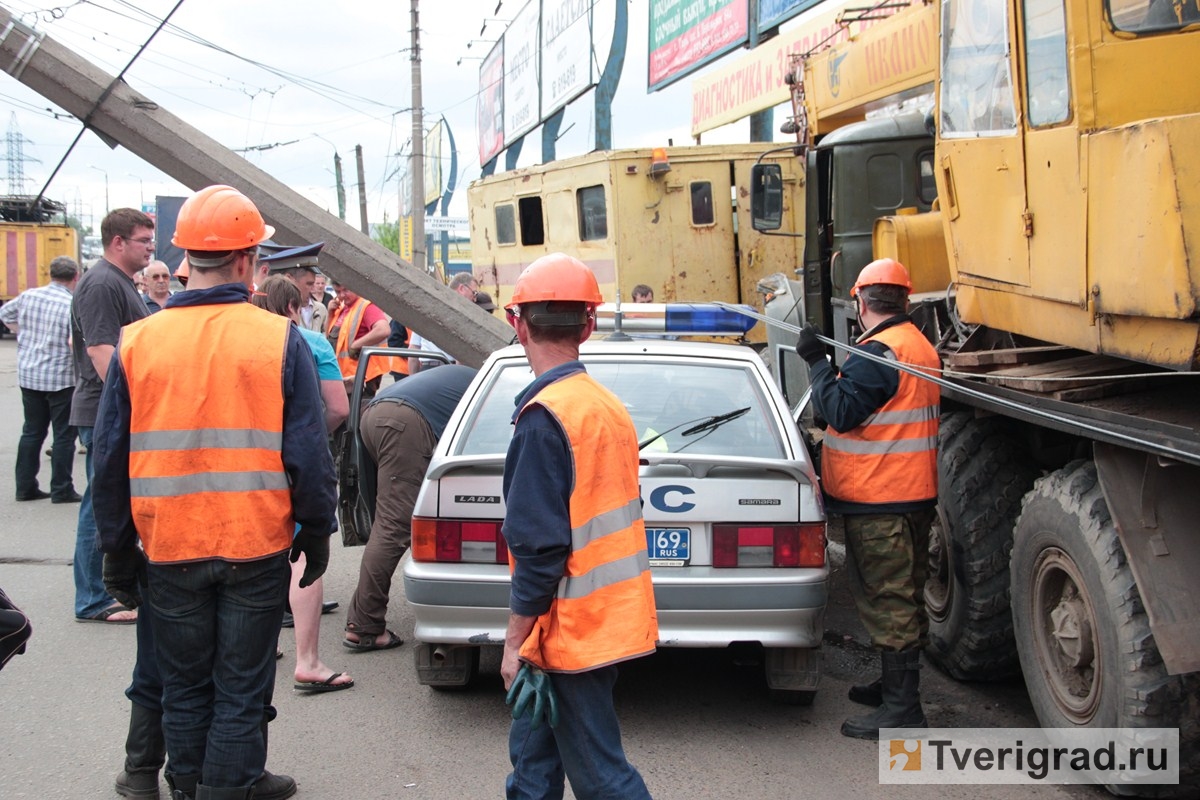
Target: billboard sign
(433,164)
(686,34)
(489,105)
(522,111)
(773,12)
(566,52)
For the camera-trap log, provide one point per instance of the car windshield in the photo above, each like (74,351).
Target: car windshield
(673,406)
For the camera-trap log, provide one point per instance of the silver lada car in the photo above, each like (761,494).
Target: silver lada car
(735,527)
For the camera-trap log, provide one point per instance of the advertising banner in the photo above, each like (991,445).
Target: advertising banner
(489,105)
(433,163)
(685,34)
(566,52)
(756,81)
(522,111)
(773,12)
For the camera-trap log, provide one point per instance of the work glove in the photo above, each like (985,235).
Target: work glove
(532,691)
(315,547)
(810,347)
(124,572)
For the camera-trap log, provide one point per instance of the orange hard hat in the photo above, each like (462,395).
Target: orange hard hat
(556,277)
(183,271)
(219,218)
(882,271)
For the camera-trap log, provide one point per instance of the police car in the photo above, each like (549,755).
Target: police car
(735,528)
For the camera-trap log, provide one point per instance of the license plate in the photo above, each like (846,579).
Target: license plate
(669,546)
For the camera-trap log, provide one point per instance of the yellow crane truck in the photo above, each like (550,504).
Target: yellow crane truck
(29,241)
(1054,239)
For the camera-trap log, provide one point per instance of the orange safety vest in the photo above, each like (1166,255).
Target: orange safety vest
(350,320)
(892,456)
(206,472)
(604,609)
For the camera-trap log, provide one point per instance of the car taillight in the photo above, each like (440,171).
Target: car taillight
(768,545)
(458,540)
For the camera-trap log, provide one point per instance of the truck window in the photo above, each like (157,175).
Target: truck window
(977,88)
(593,214)
(533,228)
(885,182)
(1152,16)
(506,224)
(702,203)
(926,184)
(1046,62)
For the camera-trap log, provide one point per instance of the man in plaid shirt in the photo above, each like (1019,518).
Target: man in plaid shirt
(46,375)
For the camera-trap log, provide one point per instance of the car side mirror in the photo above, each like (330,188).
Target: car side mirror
(766,197)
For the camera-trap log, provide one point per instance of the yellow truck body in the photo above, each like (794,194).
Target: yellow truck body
(28,249)
(680,226)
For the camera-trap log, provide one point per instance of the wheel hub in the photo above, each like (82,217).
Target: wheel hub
(1064,628)
(1071,629)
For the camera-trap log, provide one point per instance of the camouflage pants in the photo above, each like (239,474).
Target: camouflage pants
(887,560)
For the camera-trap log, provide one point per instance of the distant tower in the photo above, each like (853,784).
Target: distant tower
(16,157)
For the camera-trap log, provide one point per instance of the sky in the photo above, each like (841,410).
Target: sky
(292,82)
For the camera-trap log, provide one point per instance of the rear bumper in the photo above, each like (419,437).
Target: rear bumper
(697,606)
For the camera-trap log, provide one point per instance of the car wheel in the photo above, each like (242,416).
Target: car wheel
(1084,639)
(983,473)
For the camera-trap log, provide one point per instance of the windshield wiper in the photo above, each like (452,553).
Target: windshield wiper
(712,423)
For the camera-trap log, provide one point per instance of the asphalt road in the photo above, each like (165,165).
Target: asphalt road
(698,724)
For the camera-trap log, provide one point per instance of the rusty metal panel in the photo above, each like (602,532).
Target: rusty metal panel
(1154,505)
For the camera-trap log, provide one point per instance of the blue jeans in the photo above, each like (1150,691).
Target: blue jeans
(586,745)
(42,411)
(215,625)
(90,595)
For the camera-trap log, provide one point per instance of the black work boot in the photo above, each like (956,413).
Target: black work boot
(183,787)
(901,707)
(145,753)
(270,786)
(868,694)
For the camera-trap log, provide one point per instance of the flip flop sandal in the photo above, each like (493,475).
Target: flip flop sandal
(326,685)
(370,641)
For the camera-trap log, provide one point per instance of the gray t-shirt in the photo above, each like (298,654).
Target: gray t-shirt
(104,302)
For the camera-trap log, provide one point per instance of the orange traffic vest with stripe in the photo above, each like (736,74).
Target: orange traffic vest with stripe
(206,472)
(892,456)
(604,610)
(350,319)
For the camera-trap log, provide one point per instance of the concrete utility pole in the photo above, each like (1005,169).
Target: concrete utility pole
(196,160)
(362,192)
(341,187)
(418,152)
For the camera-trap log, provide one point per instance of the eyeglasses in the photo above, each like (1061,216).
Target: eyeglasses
(159,277)
(145,242)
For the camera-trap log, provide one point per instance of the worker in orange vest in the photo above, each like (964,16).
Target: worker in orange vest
(879,475)
(581,598)
(211,466)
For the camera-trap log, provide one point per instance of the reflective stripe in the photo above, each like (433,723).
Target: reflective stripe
(923,414)
(864,447)
(631,566)
(609,522)
(178,485)
(206,439)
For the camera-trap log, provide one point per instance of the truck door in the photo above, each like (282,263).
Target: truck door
(1054,182)
(981,169)
(702,231)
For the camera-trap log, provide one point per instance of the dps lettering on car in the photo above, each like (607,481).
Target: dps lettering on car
(660,501)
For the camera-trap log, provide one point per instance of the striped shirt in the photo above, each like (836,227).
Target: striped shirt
(43,317)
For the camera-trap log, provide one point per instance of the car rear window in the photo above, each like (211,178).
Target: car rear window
(663,397)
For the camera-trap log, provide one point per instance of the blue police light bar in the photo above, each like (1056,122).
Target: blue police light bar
(675,319)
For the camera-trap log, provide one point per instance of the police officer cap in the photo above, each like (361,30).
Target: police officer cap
(302,257)
(269,248)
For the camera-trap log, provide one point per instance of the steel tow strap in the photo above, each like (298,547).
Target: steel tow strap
(1140,444)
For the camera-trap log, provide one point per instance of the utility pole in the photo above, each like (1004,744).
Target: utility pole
(341,188)
(418,152)
(362,191)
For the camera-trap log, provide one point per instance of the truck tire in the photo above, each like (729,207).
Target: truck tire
(1084,639)
(983,472)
